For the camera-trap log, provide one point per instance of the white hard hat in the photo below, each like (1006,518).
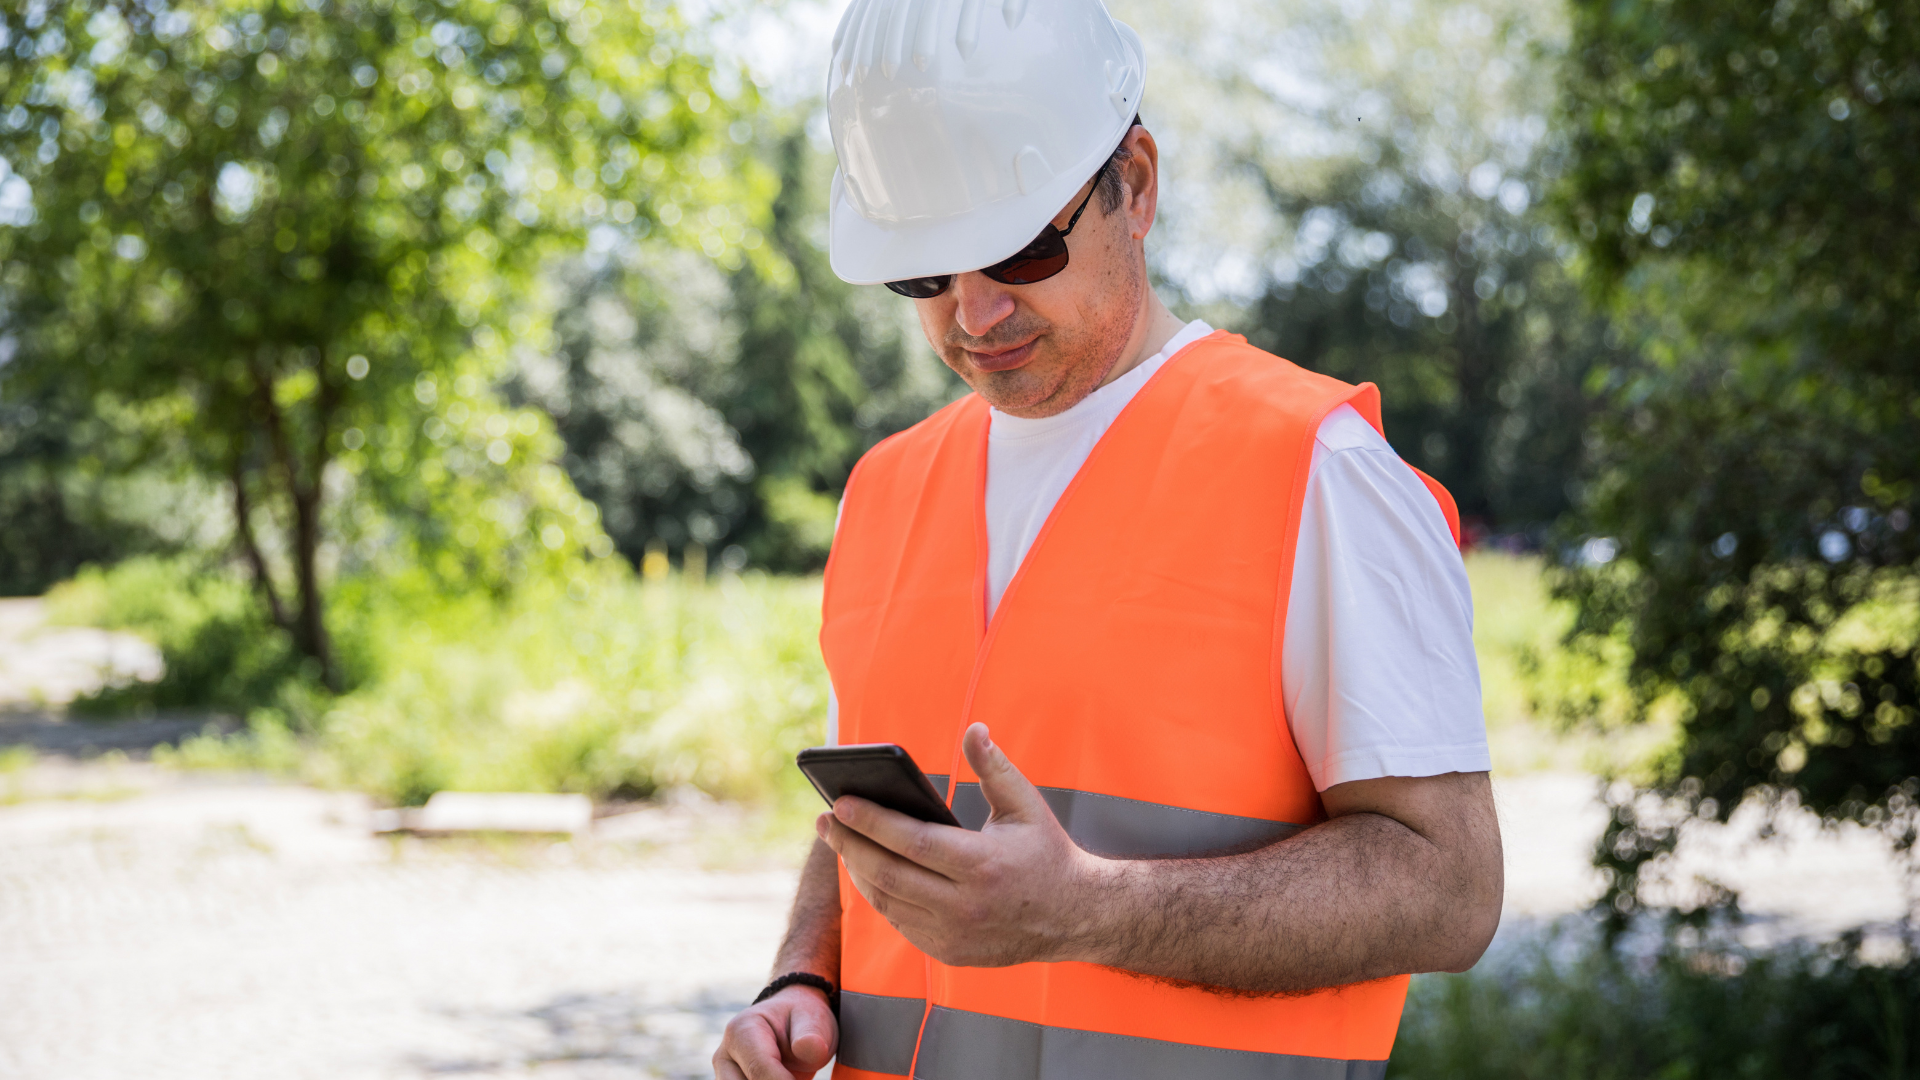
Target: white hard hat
(963,127)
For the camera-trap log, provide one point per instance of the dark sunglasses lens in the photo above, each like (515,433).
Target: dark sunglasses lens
(1038,261)
(922,288)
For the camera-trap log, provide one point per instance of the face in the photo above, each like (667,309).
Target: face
(1037,350)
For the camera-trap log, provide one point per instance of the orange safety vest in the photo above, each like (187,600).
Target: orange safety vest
(1132,672)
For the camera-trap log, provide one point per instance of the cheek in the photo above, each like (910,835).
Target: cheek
(935,316)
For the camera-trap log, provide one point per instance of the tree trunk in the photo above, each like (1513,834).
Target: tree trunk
(304,493)
(249,547)
(310,631)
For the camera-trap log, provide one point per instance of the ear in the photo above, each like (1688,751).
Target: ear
(1141,177)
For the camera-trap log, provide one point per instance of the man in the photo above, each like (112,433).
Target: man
(1187,644)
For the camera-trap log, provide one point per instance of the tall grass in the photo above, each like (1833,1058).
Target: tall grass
(605,684)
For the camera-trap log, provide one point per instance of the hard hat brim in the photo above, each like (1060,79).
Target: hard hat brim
(863,252)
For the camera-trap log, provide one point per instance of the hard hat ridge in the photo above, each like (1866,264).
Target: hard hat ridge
(923,17)
(960,134)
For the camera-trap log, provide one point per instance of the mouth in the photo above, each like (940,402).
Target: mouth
(1003,360)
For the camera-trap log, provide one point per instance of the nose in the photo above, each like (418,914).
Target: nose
(980,303)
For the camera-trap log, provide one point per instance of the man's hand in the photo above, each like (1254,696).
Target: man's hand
(1008,894)
(789,1036)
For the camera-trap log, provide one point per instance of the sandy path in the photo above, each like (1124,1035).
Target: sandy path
(247,931)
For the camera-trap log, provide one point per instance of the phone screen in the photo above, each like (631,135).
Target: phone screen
(882,773)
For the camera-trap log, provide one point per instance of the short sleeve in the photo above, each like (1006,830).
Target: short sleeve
(1378,672)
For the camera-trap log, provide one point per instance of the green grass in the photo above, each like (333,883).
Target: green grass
(604,684)
(1589,1014)
(15,763)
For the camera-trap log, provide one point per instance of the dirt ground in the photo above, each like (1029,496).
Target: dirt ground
(162,924)
(162,928)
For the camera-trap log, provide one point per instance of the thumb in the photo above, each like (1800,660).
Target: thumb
(1010,796)
(810,1033)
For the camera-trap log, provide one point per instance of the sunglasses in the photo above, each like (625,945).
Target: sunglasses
(1038,261)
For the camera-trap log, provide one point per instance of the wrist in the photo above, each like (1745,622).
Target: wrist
(798,989)
(1093,910)
(827,989)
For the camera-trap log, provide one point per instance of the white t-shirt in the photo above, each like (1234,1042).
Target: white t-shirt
(1377,671)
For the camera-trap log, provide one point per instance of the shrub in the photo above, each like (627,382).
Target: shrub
(1590,1013)
(218,649)
(604,684)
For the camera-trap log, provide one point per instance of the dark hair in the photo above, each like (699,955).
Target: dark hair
(1110,188)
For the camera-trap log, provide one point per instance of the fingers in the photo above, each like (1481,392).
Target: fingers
(940,848)
(749,1050)
(874,869)
(811,1034)
(1009,794)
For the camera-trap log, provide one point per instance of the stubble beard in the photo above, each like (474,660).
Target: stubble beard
(1070,361)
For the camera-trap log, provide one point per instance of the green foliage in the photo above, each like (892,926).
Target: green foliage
(728,409)
(1747,528)
(1467,321)
(1547,708)
(1595,1015)
(602,685)
(217,646)
(273,233)
(59,510)
(1396,170)
(1769,140)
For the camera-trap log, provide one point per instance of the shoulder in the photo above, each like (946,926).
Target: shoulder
(1224,368)
(1345,429)
(1373,502)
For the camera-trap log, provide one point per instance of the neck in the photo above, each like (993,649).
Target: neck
(1151,332)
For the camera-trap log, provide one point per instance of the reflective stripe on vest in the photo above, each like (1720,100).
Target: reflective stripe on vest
(1130,828)
(962,1045)
(1132,672)
(878,1033)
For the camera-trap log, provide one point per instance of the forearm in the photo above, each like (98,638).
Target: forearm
(813,929)
(1359,897)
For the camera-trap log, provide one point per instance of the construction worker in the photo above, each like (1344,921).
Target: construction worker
(1186,644)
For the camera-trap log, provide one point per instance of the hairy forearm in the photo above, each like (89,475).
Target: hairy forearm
(813,929)
(1359,897)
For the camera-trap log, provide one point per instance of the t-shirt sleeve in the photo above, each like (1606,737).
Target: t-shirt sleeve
(1378,671)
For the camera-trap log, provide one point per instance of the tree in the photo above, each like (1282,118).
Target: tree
(1362,196)
(701,406)
(1458,306)
(293,237)
(1749,552)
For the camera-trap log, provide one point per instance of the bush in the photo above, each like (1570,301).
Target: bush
(1599,1015)
(219,650)
(603,684)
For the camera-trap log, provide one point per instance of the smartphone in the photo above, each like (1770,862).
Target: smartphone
(882,773)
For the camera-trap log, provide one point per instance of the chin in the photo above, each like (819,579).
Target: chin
(1029,401)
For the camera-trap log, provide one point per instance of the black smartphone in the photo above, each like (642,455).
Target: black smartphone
(882,773)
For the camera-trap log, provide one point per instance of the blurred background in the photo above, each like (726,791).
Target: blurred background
(401,397)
